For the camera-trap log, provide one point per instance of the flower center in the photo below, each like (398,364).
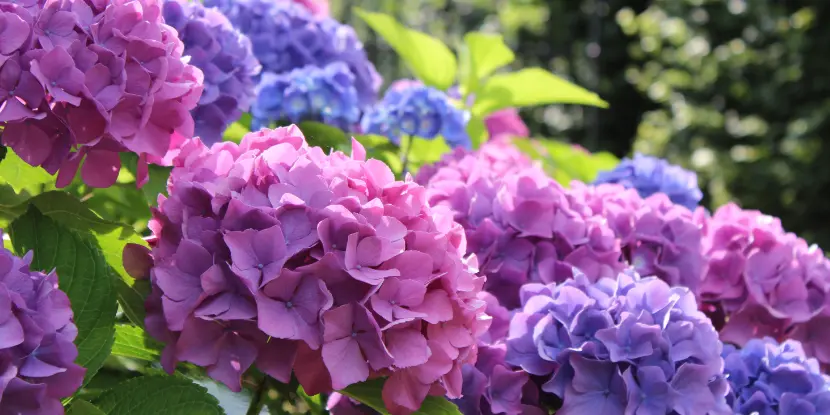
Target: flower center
(354,334)
(260,266)
(289,304)
(359,267)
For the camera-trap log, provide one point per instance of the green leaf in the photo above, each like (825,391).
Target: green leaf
(425,151)
(81,407)
(235,132)
(477,131)
(133,342)
(531,86)
(153,395)
(369,393)
(380,148)
(484,53)
(21,175)
(430,60)
(323,135)
(82,274)
(566,162)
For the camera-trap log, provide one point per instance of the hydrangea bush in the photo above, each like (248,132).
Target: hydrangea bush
(471,271)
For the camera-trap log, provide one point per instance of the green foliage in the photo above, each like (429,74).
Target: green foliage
(531,86)
(81,407)
(380,148)
(132,342)
(482,54)
(369,393)
(429,59)
(323,135)
(153,395)
(20,175)
(566,162)
(83,276)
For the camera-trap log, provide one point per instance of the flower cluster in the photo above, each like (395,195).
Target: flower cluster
(417,110)
(624,345)
(325,94)
(769,378)
(506,123)
(273,253)
(650,175)
(224,55)
(520,223)
(37,352)
(82,81)
(657,237)
(287,36)
(768,281)
(316,7)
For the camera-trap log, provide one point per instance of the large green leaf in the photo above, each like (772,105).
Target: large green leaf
(380,148)
(369,393)
(531,86)
(566,162)
(154,395)
(324,135)
(82,274)
(430,60)
(483,54)
(21,175)
(133,342)
(81,407)
(424,151)
(477,131)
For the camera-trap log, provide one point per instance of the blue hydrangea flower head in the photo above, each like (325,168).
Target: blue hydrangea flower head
(769,378)
(417,110)
(225,57)
(325,94)
(650,175)
(624,345)
(287,36)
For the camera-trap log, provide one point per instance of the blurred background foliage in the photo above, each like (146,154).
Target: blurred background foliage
(738,90)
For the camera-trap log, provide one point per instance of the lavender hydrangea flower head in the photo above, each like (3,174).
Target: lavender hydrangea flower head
(310,93)
(282,256)
(658,238)
(650,175)
(82,81)
(420,111)
(521,224)
(769,378)
(620,345)
(37,353)
(224,55)
(287,36)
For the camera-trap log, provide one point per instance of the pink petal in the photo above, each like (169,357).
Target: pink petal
(345,362)
(408,347)
(100,169)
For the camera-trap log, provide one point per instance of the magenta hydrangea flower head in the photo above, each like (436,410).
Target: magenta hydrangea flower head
(650,175)
(619,345)
(521,224)
(658,237)
(81,82)
(506,123)
(764,279)
(37,353)
(316,7)
(224,55)
(275,254)
(287,36)
(769,378)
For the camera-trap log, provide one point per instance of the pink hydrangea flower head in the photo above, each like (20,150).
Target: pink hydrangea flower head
(658,237)
(37,353)
(348,271)
(316,7)
(521,224)
(81,82)
(506,123)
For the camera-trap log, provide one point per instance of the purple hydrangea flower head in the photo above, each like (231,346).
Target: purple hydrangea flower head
(81,82)
(273,253)
(620,345)
(522,225)
(287,36)
(506,122)
(224,55)
(650,175)
(769,378)
(420,111)
(37,353)
(658,237)
(326,94)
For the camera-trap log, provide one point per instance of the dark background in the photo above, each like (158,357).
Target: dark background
(738,90)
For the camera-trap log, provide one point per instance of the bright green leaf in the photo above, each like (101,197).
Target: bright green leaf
(133,342)
(154,395)
(235,132)
(82,274)
(369,393)
(323,135)
(484,53)
(566,162)
(81,407)
(21,175)
(425,151)
(531,86)
(430,60)
(380,148)
(477,131)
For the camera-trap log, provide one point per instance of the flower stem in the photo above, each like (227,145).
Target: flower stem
(258,400)
(410,142)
